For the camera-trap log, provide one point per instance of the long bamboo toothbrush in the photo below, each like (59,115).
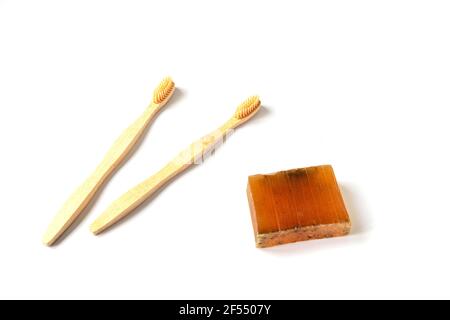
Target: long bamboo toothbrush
(135,196)
(78,201)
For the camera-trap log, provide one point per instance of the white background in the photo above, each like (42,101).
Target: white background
(361,85)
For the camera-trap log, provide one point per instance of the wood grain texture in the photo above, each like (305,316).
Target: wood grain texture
(296,205)
(82,196)
(197,150)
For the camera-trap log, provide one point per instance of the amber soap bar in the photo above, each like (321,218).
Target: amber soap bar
(296,205)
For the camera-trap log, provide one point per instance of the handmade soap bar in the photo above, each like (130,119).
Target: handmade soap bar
(296,205)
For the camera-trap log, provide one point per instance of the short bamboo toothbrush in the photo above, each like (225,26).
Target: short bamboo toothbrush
(116,155)
(135,196)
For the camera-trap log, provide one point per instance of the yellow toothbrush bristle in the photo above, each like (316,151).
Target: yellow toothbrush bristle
(163,91)
(247,107)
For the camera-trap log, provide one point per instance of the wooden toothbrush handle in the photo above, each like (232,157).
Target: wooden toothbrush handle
(81,197)
(134,197)
(137,195)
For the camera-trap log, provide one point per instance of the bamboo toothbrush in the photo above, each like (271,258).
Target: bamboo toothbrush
(116,155)
(135,196)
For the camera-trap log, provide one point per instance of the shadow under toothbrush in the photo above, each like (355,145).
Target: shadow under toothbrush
(177,96)
(262,114)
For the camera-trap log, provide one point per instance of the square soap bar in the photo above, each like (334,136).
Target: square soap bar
(296,205)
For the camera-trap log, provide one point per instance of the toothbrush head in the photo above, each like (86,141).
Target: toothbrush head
(248,108)
(164,91)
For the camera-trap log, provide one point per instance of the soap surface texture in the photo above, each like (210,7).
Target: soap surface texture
(296,205)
